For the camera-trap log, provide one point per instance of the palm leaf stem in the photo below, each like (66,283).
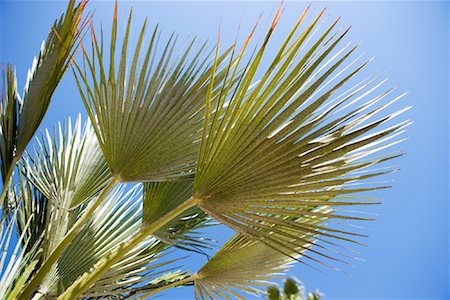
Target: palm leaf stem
(65,242)
(190,279)
(85,281)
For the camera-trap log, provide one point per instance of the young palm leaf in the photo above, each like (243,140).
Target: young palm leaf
(147,117)
(20,118)
(283,146)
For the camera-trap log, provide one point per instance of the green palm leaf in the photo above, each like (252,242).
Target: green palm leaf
(48,68)
(20,118)
(161,198)
(244,265)
(20,263)
(118,218)
(9,107)
(283,146)
(149,121)
(68,168)
(32,212)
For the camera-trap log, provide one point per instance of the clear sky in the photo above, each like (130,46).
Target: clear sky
(408,253)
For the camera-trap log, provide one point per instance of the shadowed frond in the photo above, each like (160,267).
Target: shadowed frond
(20,118)
(162,197)
(284,146)
(147,117)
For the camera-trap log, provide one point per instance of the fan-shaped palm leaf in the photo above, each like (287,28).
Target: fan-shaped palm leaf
(277,150)
(116,220)
(20,118)
(280,149)
(243,265)
(68,168)
(149,122)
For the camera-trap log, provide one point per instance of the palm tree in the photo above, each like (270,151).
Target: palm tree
(292,290)
(200,140)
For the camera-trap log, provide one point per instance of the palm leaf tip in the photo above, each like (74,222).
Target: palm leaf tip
(147,117)
(295,141)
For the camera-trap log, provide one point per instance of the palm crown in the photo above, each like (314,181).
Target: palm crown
(202,138)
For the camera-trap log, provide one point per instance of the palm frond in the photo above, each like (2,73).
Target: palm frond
(115,221)
(240,266)
(148,122)
(16,264)
(68,167)
(244,265)
(56,54)
(20,117)
(284,146)
(162,197)
(9,107)
(32,212)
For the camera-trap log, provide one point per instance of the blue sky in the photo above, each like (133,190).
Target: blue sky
(408,253)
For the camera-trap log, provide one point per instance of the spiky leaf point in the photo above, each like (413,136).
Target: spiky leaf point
(283,146)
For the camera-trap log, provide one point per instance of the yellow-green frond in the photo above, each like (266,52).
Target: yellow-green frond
(148,116)
(301,137)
